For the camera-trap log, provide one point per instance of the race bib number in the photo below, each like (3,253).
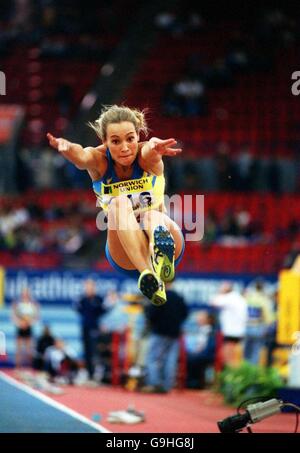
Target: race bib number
(142,200)
(139,191)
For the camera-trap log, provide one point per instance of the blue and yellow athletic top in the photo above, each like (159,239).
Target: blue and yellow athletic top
(145,191)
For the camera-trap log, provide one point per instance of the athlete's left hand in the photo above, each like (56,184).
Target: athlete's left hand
(164,147)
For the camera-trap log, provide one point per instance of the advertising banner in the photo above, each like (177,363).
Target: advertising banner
(65,286)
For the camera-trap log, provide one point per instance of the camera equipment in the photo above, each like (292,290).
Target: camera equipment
(254,413)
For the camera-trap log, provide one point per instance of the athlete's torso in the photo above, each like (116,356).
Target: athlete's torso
(146,191)
(25,310)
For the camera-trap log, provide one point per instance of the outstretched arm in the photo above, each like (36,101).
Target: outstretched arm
(84,158)
(152,152)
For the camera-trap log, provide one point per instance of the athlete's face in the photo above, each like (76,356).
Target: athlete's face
(122,141)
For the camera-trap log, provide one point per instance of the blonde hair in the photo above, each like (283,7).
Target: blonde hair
(117,114)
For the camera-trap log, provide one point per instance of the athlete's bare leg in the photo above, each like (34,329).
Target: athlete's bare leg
(152,218)
(128,245)
(124,230)
(137,238)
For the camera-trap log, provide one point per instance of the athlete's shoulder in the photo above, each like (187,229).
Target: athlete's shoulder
(98,161)
(101,150)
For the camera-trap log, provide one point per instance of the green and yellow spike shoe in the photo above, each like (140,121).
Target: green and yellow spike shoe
(163,256)
(153,288)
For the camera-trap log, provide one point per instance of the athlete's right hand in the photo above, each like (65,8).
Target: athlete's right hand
(60,144)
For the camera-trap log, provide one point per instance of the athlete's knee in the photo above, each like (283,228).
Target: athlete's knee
(152,217)
(147,217)
(119,205)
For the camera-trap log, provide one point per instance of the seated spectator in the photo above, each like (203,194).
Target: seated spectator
(64,98)
(228,226)
(165,20)
(237,56)
(219,75)
(43,342)
(191,95)
(11,219)
(196,67)
(246,169)
(200,349)
(61,362)
(224,167)
(171,101)
(210,229)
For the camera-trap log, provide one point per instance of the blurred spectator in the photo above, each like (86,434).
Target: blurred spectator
(23,229)
(246,169)
(190,93)
(64,97)
(124,316)
(200,349)
(192,179)
(210,228)
(225,169)
(260,318)
(11,218)
(237,56)
(115,319)
(22,15)
(228,225)
(90,307)
(165,324)
(25,313)
(271,341)
(185,98)
(183,20)
(170,101)
(220,75)
(232,308)
(49,17)
(194,21)
(30,238)
(276,27)
(71,238)
(46,168)
(292,255)
(293,228)
(61,362)
(243,221)
(45,340)
(196,68)
(273,175)
(165,20)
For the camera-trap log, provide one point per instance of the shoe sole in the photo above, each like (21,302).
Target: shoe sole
(158,300)
(148,285)
(164,242)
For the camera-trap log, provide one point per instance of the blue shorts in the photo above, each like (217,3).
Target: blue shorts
(134,273)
